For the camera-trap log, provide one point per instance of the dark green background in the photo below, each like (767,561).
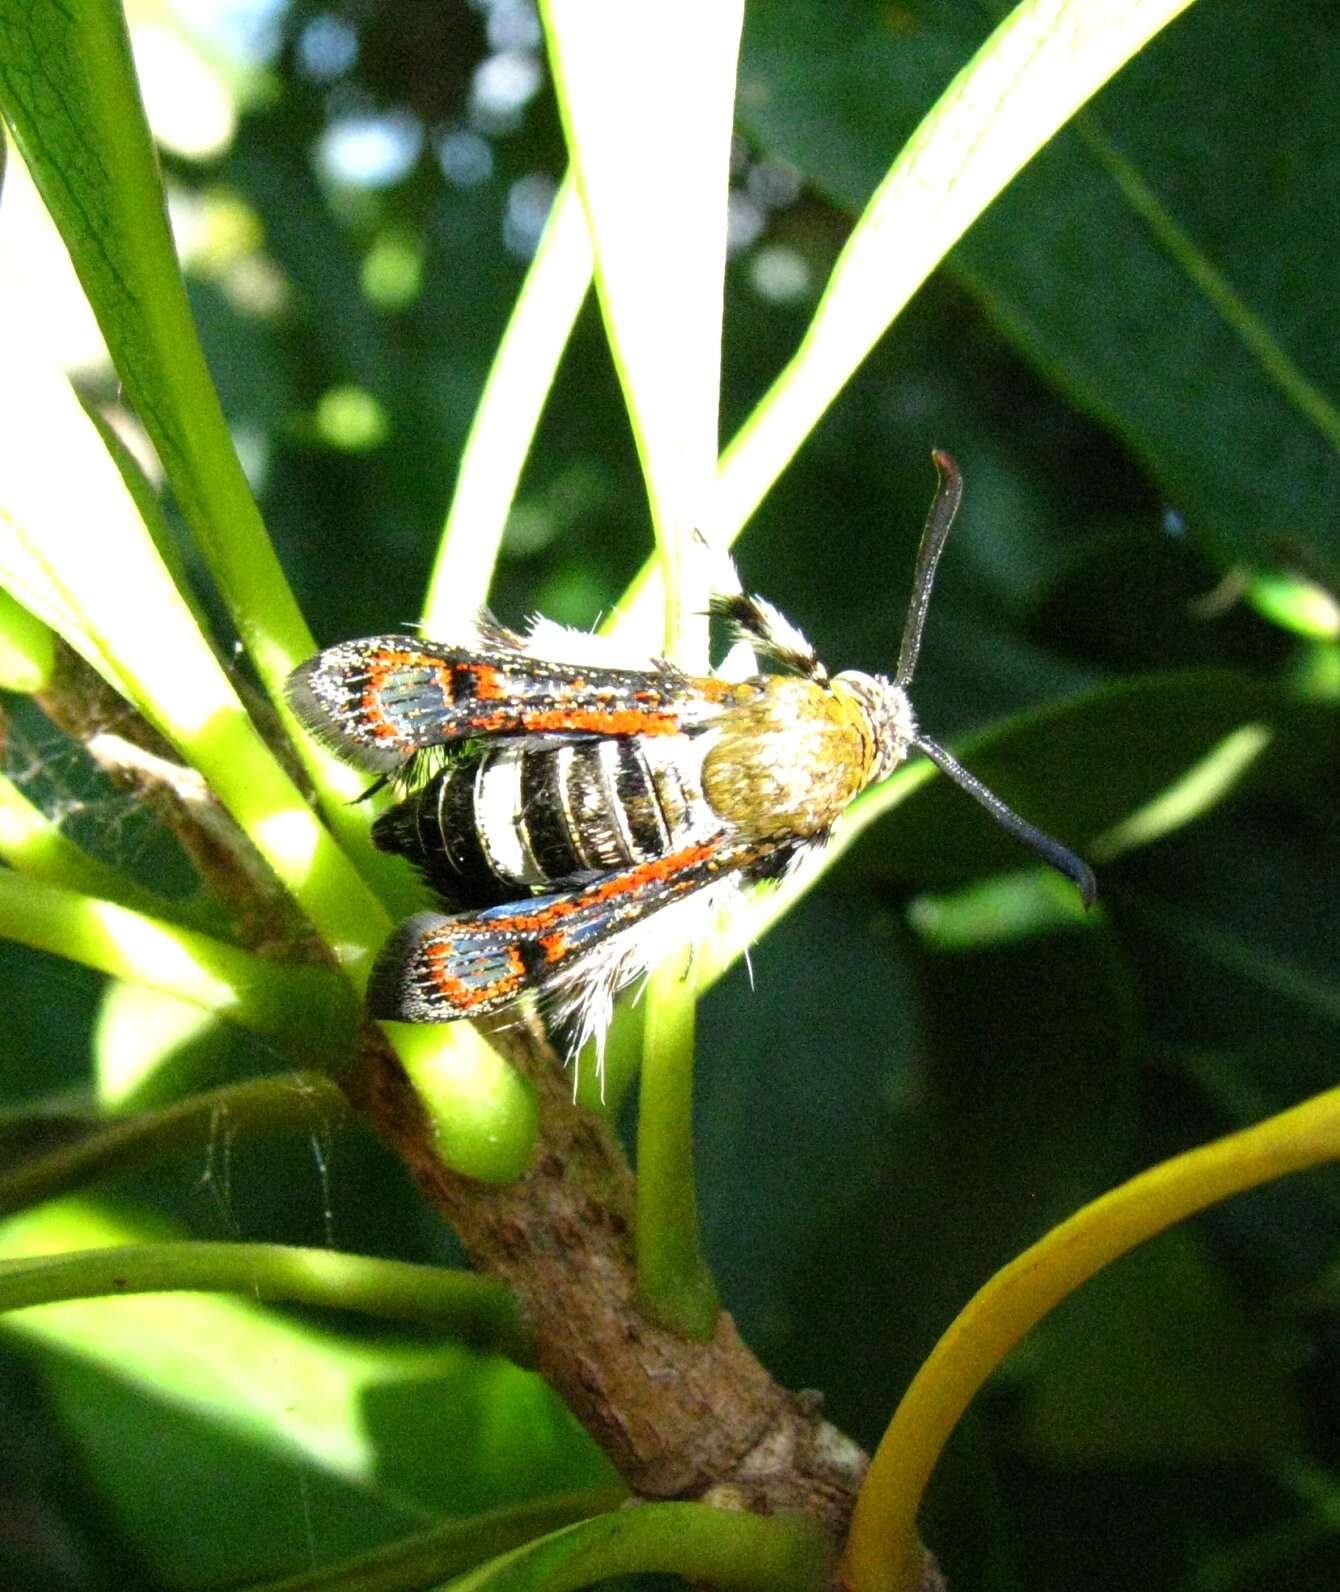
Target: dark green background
(882,1120)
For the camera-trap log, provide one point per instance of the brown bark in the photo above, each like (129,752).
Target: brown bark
(136,757)
(678,1419)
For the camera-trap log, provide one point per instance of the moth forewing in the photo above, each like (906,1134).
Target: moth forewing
(380,701)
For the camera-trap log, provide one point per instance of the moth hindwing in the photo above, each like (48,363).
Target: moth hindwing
(580,816)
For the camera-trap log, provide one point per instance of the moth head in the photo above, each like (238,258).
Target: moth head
(885,705)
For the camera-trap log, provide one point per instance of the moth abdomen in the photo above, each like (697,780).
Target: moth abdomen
(524,817)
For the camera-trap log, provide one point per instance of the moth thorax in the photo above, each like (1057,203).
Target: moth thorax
(892,724)
(784,765)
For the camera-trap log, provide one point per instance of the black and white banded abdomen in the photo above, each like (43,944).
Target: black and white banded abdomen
(525,817)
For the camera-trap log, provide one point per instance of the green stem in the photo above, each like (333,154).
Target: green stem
(739,1552)
(675,1286)
(303,1006)
(294,1102)
(475,1310)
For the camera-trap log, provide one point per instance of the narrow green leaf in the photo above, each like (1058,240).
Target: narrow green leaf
(150,1049)
(69,94)
(100,592)
(317,1442)
(1136,262)
(429,1556)
(654,183)
(27,649)
(509,411)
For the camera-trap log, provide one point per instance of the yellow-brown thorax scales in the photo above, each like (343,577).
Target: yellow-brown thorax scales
(789,760)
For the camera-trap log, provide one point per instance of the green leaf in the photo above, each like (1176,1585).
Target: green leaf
(1230,936)
(27,648)
(69,94)
(113,599)
(949,162)
(307,1007)
(150,1047)
(507,415)
(1129,261)
(426,1557)
(1012,1033)
(861,1078)
(100,592)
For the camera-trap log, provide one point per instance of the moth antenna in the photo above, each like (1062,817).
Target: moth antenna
(944,506)
(1051,851)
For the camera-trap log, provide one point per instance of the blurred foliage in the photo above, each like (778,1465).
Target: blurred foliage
(1133,359)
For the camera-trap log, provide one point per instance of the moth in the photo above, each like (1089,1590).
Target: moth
(576,820)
